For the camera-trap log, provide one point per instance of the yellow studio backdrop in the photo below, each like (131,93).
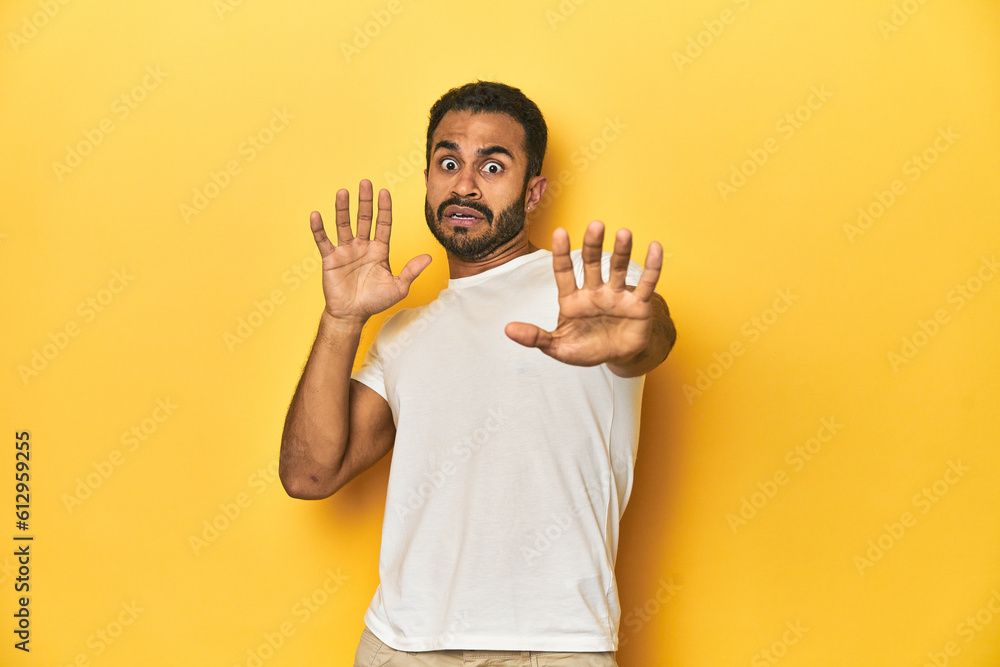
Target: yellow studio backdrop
(818,462)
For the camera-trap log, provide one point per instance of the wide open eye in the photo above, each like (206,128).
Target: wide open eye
(493,167)
(449,164)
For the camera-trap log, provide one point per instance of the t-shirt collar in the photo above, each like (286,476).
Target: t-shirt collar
(509,265)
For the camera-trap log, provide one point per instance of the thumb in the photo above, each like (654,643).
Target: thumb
(413,269)
(528,335)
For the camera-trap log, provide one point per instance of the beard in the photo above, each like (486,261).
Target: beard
(478,245)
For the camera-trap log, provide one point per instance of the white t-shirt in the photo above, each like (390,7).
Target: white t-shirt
(510,472)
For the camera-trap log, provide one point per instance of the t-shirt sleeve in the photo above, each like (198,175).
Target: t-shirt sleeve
(370,373)
(632,275)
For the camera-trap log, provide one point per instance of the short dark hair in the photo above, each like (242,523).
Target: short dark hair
(495,97)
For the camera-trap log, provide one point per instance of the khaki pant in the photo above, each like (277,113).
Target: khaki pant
(373,653)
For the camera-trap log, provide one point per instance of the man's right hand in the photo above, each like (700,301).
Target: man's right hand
(357,280)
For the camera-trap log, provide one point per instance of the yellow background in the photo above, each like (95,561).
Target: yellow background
(697,587)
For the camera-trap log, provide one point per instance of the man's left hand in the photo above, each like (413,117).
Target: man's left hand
(600,322)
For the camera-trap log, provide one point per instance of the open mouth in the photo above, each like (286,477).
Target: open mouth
(462,216)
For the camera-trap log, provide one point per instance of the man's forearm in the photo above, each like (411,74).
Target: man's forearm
(661,339)
(317,426)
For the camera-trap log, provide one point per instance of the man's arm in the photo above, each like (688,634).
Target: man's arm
(336,427)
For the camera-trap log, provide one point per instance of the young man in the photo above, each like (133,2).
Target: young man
(511,465)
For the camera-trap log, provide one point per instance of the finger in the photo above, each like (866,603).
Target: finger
(619,260)
(413,269)
(319,234)
(650,272)
(364,209)
(528,335)
(344,234)
(593,242)
(383,224)
(562,265)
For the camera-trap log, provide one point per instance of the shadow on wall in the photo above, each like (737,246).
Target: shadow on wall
(645,584)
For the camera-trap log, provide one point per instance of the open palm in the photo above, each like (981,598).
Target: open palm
(600,322)
(357,279)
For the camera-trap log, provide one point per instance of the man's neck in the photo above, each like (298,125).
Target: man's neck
(516,247)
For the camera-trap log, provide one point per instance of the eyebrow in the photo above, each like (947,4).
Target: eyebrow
(482,152)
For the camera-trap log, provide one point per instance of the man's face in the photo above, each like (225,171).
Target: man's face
(475,183)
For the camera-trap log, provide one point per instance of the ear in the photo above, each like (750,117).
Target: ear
(536,188)
(425,178)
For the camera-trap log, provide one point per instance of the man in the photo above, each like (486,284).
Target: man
(511,465)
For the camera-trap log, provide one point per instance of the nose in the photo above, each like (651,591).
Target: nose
(466,184)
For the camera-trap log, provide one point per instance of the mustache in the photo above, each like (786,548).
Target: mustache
(474,205)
